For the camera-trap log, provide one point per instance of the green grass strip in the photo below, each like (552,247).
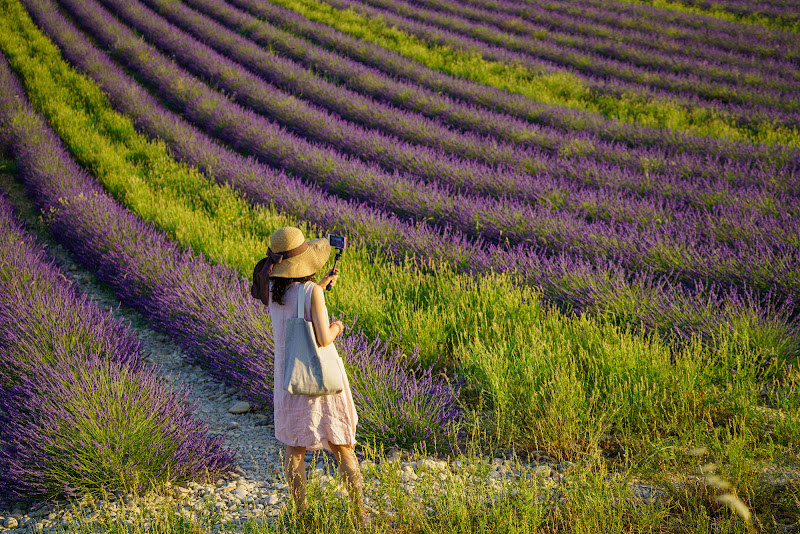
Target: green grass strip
(560,88)
(719,12)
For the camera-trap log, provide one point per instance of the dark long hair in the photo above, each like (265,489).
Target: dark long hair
(279,286)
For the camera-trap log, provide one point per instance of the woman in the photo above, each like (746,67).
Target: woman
(303,422)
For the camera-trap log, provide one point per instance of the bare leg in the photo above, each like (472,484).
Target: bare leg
(295,471)
(351,473)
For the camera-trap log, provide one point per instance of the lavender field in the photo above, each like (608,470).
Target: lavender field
(575,241)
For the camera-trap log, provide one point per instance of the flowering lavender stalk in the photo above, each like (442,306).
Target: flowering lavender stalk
(79,412)
(206,308)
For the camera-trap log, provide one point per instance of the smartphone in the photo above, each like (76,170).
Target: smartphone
(337,241)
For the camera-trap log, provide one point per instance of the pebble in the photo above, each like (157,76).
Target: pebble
(239,407)
(233,425)
(10,523)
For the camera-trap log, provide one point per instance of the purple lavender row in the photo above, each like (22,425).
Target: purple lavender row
(650,28)
(204,307)
(608,77)
(752,40)
(216,44)
(577,23)
(179,292)
(783,13)
(390,406)
(551,37)
(568,121)
(686,178)
(578,284)
(404,195)
(56,349)
(557,175)
(636,248)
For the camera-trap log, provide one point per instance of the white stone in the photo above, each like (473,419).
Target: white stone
(239,407)
(273,500)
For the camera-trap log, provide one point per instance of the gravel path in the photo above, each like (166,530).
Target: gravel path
(255,484)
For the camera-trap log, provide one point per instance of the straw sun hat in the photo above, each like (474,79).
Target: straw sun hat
(289,256)
(293,256)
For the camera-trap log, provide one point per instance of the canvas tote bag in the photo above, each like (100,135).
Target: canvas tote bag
(309,369)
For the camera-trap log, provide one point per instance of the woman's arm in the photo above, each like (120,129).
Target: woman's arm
(325,330)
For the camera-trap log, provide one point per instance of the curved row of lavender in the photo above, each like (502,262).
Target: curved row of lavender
(602,77)
(712,84)
(204,307)
(568,121)
(586,181)
(577,283)
(783,13)
(672,28)
(681,249)
(538,44)
(79,411)
(623,32)
(620,43)
(689,177)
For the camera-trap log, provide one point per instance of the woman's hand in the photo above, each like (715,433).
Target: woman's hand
(338,324)
(332,278)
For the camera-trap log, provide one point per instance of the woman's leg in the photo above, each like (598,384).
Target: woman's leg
(295,471)
(351,473)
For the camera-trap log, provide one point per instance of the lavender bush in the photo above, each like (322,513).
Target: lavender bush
(397,409)
(79,412)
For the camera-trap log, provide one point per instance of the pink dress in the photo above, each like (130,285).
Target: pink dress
(301,420)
